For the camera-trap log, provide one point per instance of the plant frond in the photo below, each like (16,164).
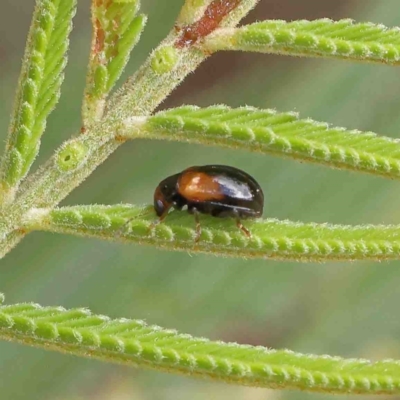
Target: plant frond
(271,132)
(116,30)
(134,343)
(270,238)
(342,39)
(39,87)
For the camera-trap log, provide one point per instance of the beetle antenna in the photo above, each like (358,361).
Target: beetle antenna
(121,229)
(160,219)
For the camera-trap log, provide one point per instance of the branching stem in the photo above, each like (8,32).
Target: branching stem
(79,157)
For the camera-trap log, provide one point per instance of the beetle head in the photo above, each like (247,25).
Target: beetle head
(164,195)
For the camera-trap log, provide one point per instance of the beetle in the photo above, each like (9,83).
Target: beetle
(217,190)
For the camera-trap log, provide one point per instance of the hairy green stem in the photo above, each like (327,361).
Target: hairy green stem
(134,343)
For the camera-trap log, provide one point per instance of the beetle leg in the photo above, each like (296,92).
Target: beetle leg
(241,226)
(195,212)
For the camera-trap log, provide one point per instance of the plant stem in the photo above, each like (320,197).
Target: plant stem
(79,157)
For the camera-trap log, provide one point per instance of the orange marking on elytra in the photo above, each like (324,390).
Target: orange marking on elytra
(197,186)
(209,22)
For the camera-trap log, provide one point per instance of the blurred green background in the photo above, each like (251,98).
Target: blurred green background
(340,309)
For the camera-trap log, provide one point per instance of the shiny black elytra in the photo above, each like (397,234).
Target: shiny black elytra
(217,190)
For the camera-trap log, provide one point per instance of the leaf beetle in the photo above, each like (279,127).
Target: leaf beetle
(217,190)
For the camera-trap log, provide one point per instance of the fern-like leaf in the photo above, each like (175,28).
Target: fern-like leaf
(39,87)
(342,39)
(116,30)
(134,343)
(271,238)
(267,131)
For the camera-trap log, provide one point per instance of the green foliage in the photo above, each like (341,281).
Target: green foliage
(209,26)
(39,88)
(116,30)
(271,239)
(320,38)
(134,343)
(267,131)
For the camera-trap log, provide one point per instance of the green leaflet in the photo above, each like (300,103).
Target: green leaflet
(39,86)
(116,30)
(343,39)
(271,238)
(268,131)
(133,342)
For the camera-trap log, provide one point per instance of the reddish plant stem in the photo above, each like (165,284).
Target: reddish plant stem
(209,22)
